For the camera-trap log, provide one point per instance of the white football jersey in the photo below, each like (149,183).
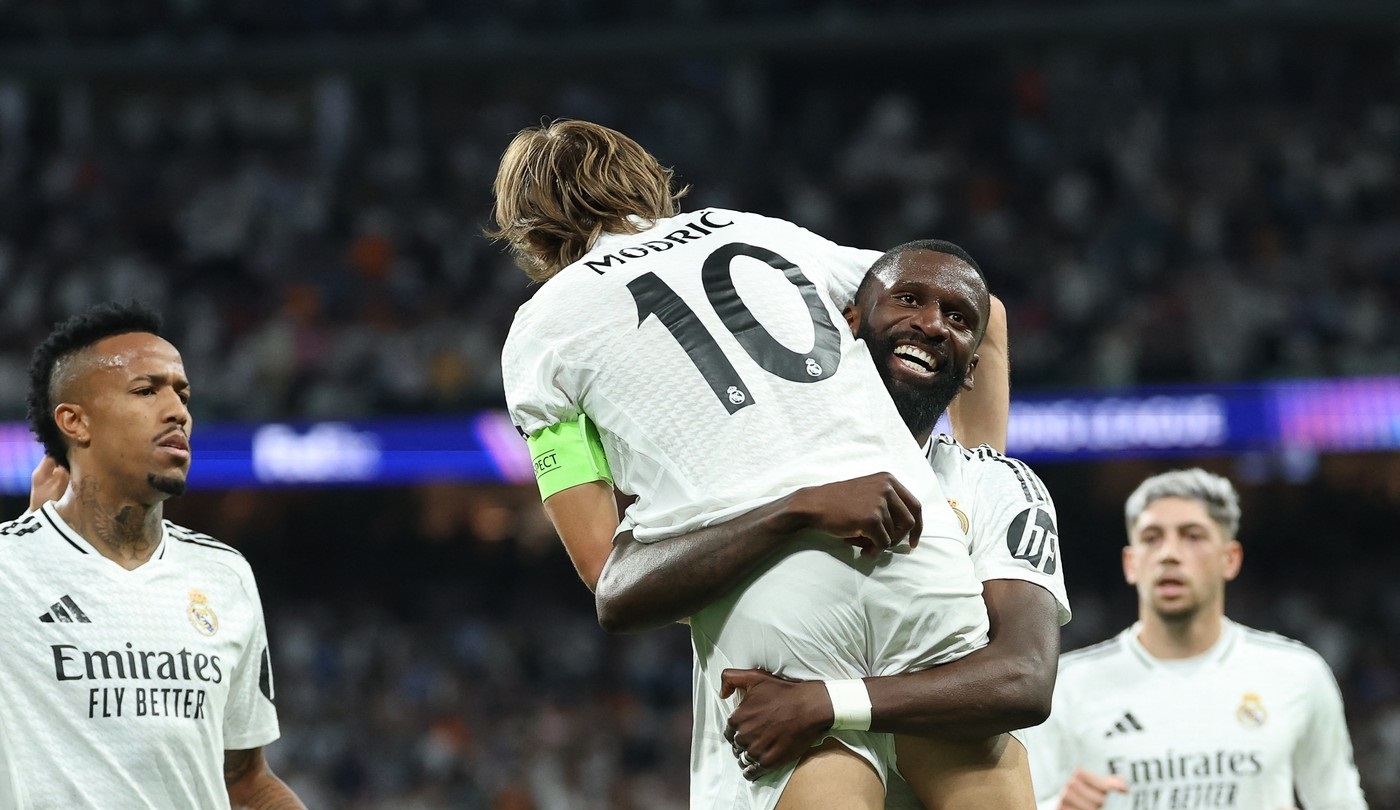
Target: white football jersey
(122,689)
(710,350)
(1242,725)
(1006,513)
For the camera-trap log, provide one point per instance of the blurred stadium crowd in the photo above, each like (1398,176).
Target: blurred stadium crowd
(1210,209)
(1207,212)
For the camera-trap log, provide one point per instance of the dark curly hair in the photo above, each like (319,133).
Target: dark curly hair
(71,336)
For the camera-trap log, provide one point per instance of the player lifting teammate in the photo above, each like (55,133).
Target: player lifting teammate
(922,311)
(698,362)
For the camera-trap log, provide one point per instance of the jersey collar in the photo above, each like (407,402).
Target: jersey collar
(1223,646)
(80,544)
(611,238)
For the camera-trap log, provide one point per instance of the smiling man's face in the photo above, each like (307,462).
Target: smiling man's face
(922,317)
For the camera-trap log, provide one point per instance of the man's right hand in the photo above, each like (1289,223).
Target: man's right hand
(873,512)
(778,719)
(1089,791)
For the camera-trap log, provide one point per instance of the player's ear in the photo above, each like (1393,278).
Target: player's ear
(73,422)
(971,367)
(1234,558)
(852,317)
(1128,573)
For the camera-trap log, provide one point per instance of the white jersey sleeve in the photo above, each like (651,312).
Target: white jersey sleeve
(1324,770)
(538,387)
(250,717)
(1007,514)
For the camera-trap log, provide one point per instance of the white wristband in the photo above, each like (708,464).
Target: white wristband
(850,704)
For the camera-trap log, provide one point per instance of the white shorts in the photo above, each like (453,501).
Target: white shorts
(820,611)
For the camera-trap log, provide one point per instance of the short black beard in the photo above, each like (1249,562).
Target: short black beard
(919,407)
(168,484)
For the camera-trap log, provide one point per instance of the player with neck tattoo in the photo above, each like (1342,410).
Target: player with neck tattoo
(135,649)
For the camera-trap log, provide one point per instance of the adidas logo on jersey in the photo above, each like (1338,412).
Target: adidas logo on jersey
(1123,726)
(65,610)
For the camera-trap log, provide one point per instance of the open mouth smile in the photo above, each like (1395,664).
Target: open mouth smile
(917,360)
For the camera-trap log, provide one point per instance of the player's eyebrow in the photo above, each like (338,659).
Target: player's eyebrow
(173,380)
(962,299)
(1166,527)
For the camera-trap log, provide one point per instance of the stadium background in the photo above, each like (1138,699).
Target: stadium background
(1165,194)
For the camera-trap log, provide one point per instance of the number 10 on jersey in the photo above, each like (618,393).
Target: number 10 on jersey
(655,297)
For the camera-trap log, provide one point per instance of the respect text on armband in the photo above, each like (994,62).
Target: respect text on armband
(703,226)
(546,462)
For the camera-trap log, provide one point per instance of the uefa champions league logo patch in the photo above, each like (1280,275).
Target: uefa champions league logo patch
(202,617)
(1251,712)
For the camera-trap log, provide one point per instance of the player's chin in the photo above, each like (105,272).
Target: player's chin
(911,386)
(1179,607)
(168,483)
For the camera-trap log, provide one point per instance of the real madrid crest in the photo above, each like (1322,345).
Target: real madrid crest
(962,518)
(1251,712)
(202,617)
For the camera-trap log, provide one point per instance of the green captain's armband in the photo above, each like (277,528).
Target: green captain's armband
(568,454)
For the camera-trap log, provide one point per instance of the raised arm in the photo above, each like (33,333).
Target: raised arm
(252,784)
(648,585)
(1004,686)
(979,416)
